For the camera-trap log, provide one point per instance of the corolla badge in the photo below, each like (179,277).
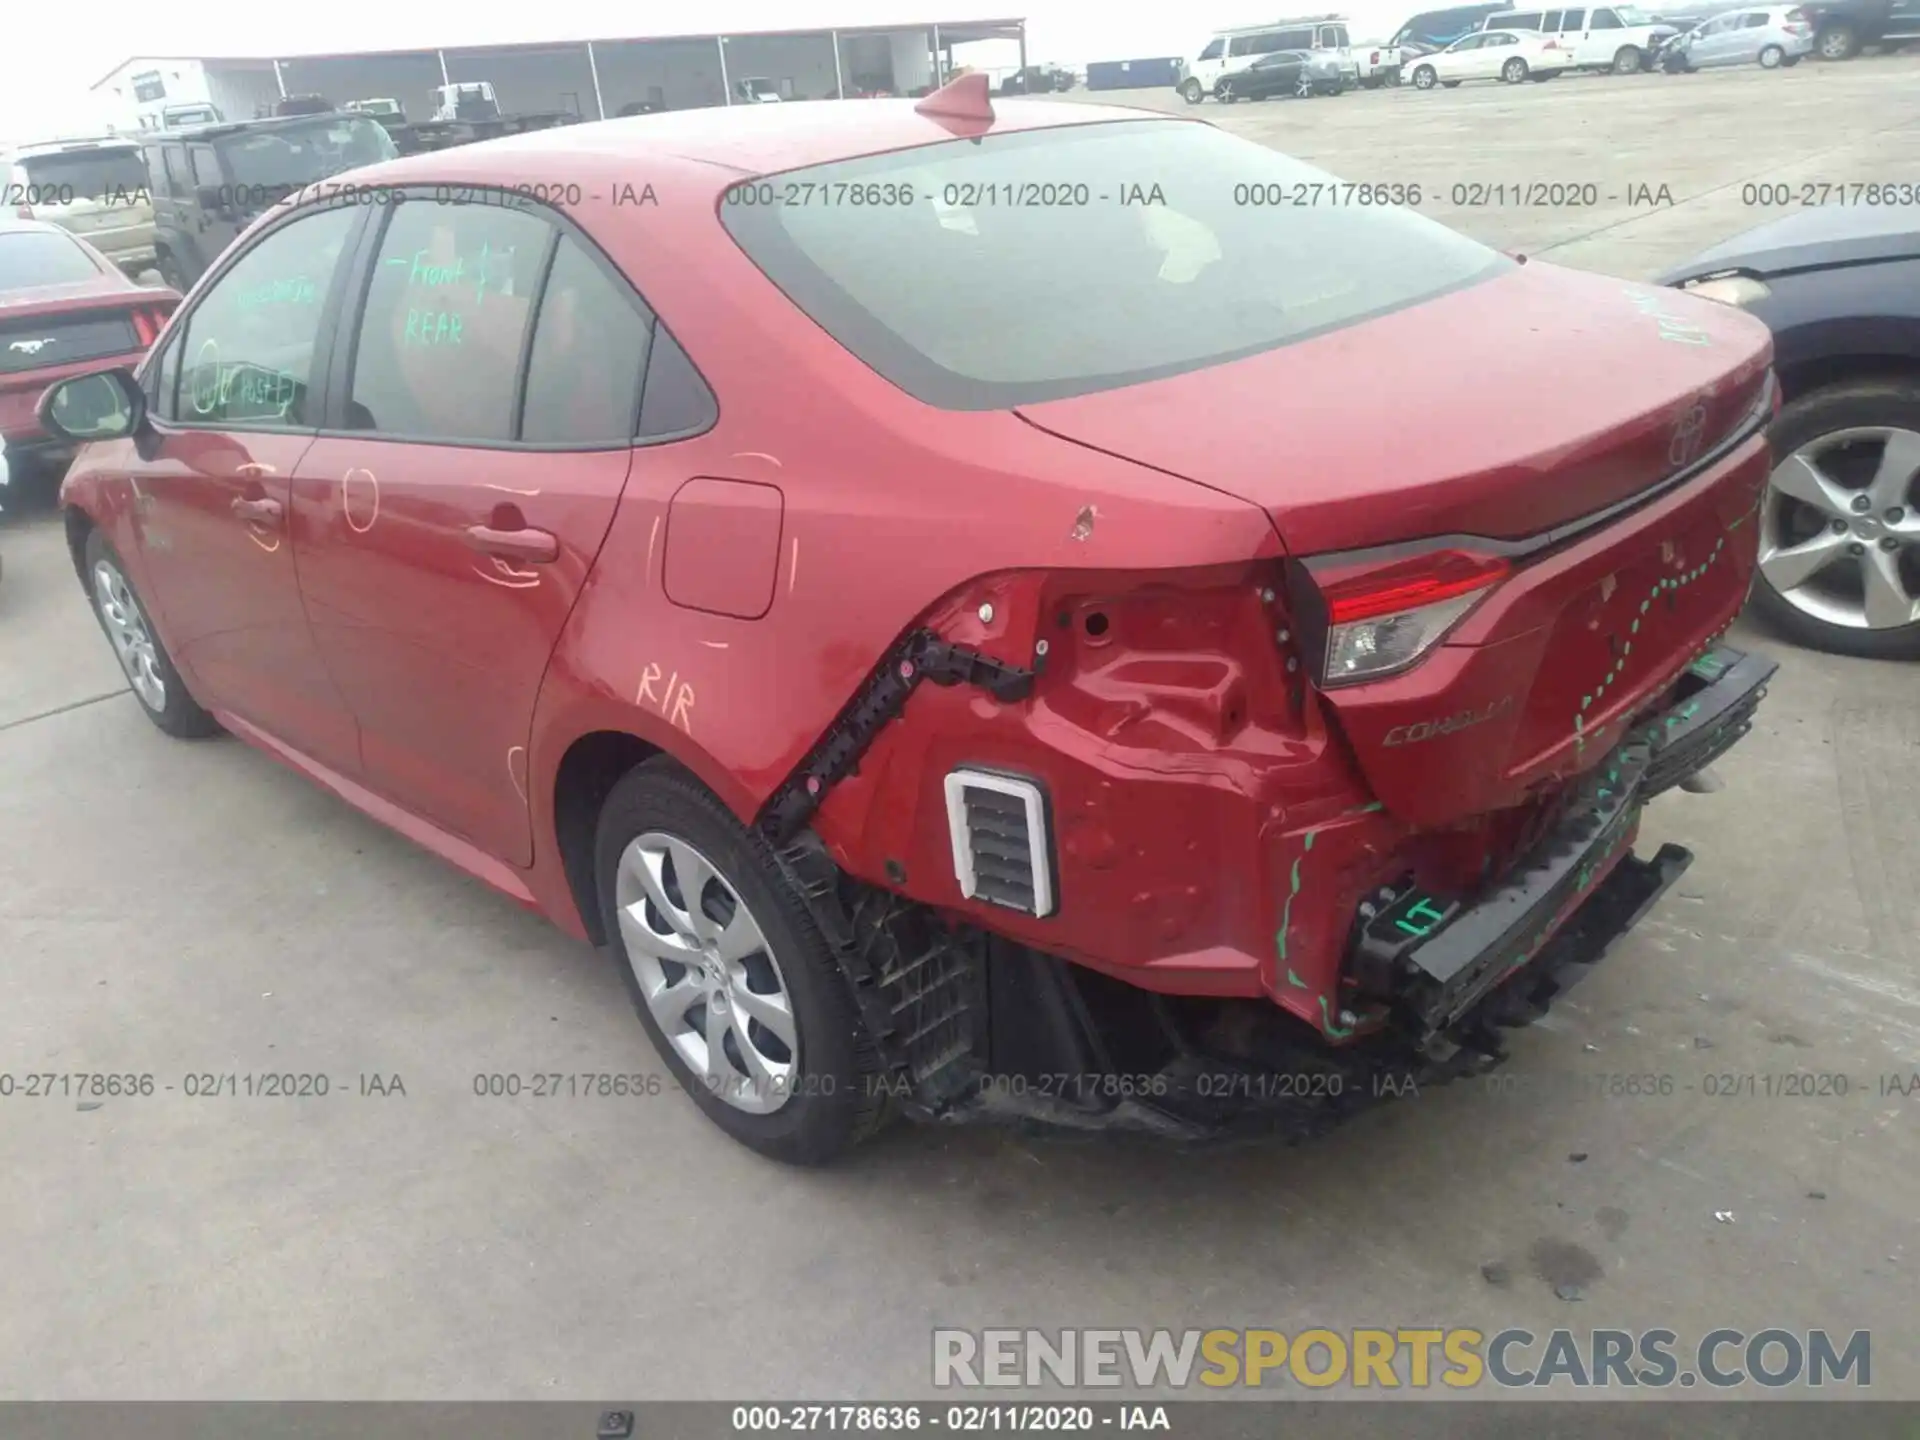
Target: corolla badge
(1689,433)
(31,347)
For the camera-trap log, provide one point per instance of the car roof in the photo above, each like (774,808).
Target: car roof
(40,148)
(10,225)
(749,139)
(219,129)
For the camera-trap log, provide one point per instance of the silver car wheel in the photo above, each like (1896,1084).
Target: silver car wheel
(127,629)
(706,971)
(1838,535)
(1303,87)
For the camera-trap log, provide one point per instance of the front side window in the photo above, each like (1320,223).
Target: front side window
(1243,45)
(1756,20)
(247,354)
(1170,274)
(206,166)
(1214,47)
(1606,20)
(1575,20)
(445,323)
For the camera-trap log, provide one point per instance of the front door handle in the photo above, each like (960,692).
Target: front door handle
(262,512)
(535,547)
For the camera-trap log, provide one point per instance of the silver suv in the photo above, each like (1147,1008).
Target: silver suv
(95,188)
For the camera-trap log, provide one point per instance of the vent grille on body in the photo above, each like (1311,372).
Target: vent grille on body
(1000,842)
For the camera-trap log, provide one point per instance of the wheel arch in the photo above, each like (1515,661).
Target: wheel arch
(79,526)
(586,774)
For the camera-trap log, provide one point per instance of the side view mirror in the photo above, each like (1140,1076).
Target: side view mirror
(106,405)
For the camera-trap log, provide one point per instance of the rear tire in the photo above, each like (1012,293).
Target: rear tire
(1423,77)
(1838,42)
(1771,56)
(827,1100)
(1889,403)
(1627,60)
(150,672)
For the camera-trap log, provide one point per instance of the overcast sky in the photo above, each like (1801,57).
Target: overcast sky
(55,51)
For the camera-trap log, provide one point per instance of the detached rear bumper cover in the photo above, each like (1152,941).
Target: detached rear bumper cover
(1445,959)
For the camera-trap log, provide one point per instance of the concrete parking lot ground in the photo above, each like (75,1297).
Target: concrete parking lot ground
(178,909)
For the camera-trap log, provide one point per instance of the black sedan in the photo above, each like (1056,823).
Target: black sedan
(1298,73)
(1839,532)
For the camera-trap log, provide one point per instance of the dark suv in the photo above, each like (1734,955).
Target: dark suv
(211,181)
(1842,28)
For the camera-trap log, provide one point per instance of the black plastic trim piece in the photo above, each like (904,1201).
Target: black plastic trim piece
(923,655)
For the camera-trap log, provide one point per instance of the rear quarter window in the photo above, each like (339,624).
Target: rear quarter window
(1045,264)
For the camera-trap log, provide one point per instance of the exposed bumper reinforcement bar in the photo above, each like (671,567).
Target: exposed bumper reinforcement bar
(1441,957)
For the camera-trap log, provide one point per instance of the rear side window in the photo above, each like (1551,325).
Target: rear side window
(1122,279)
(589,351)
(448,309)
(247,354)
(676,401)
(32,258)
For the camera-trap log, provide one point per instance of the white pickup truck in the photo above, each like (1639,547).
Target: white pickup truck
(1379,63)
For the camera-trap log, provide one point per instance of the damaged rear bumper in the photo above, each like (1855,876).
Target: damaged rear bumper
(977,1028)
(1450,964)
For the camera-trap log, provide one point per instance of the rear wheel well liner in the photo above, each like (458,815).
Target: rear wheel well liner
(593,765)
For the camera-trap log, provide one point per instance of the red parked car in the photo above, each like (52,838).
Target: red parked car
(935,610)
(65,309)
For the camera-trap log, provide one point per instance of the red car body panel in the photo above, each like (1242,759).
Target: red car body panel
(721,597)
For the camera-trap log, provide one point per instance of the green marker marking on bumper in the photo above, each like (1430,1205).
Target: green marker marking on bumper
(1286,912)
(1337,1032)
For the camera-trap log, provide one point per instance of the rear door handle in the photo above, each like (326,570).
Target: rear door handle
(536,547)
(263,512)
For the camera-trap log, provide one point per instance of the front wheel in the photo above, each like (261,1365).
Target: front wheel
(1626,60)
(1192,91)
(730,976)
(1839,536)
(1771,56)
(1424,77)
(150,671)
(1514,71)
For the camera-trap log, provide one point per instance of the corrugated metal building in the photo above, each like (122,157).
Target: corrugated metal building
(593,78)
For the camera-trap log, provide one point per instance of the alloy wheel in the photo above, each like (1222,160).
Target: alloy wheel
(707,973)
(127,629)
(1839,538)
(1303,87)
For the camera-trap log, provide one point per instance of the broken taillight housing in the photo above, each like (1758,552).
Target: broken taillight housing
(1366,617)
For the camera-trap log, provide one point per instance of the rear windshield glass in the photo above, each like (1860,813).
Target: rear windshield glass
(86,174)
(297,155)
(1043,264)
(30,258)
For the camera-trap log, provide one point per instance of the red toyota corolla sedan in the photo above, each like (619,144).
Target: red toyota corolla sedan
(919,585)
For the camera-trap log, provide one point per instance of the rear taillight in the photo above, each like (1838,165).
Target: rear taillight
(1365,618)
(143,328)
(23,212)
